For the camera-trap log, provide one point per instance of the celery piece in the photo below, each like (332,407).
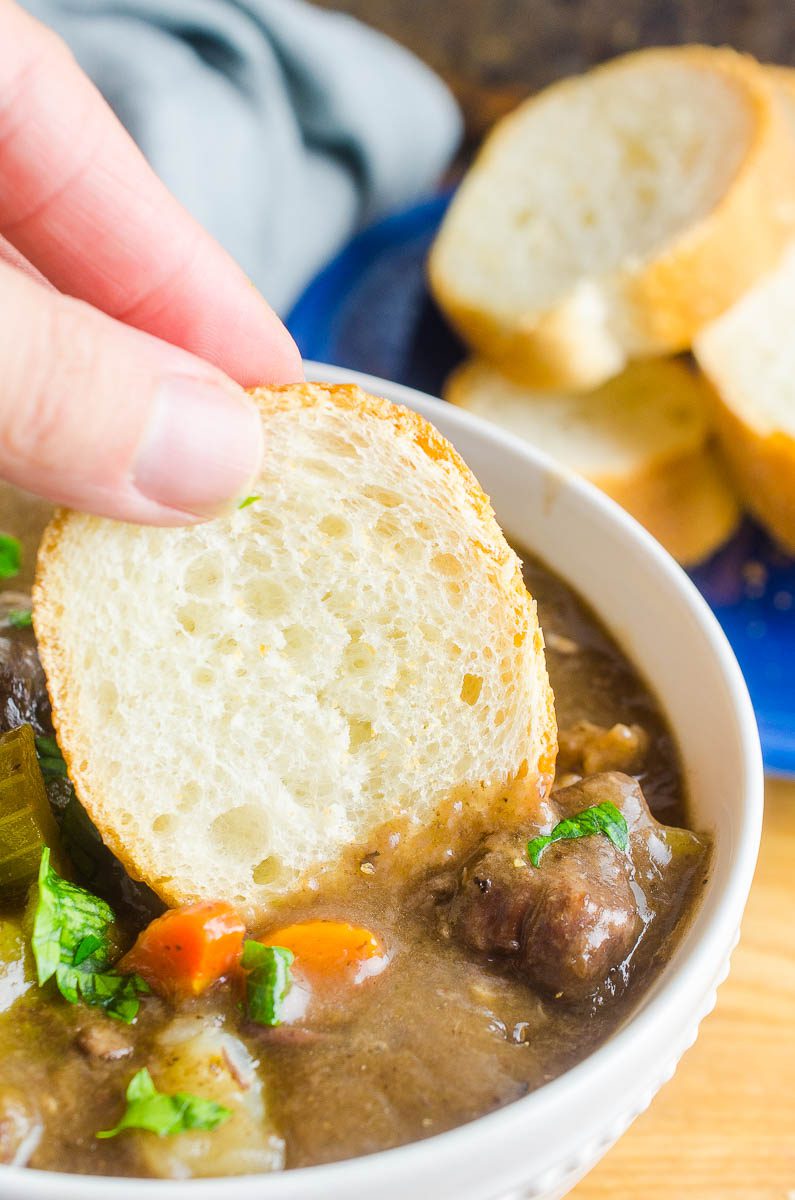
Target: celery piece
(17,967)
(26,820)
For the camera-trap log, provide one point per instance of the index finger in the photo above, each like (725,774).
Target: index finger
(80,202)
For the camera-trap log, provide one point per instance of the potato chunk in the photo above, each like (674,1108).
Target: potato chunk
(195,1056)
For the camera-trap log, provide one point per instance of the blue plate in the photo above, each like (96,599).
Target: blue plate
(370,310)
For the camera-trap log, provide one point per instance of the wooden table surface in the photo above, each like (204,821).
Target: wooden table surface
(494,52)
(724,1127)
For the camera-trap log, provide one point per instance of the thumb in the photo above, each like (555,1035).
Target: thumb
(102,417)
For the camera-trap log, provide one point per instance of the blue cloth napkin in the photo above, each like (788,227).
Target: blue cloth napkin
(282,127)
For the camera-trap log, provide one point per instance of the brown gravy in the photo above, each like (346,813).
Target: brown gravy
(444,1035)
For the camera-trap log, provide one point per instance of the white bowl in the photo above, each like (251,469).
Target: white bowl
(539,1147)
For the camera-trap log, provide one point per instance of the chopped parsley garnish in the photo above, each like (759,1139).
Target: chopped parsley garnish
(147,1108)
(10,556)
(85,948)
(51,760)
(601,818)
(20,618)
(71,943)
(268,982)
(249,500)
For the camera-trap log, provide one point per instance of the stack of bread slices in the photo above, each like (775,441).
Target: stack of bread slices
(615,221)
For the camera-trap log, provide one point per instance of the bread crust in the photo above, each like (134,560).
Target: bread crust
(680,492)
(469,375)
(761,460)
(688,505)
(534,778)
(656,306)
(782,77)
(762,464)
(719,258)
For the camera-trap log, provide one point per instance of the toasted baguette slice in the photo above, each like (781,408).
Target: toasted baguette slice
(642,437)
(613,215)
(355,651)
(783,78)
(748,355)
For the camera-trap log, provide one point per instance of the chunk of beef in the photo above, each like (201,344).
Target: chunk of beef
(566,924)
(571,923)
(495,893)
(104,1039)
(621,790)
(585,921)
(23,690)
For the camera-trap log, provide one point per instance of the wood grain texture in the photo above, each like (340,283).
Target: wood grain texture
(494,52)
(724,1127)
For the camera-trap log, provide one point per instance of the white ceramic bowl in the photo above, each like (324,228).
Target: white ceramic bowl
(540,1146)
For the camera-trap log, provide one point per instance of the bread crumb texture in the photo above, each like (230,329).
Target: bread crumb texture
(611,216)
(239,702)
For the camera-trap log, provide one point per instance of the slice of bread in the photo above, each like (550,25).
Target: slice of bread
(352,654)
(748,355)
(643,438)
(784,79)
(613,215)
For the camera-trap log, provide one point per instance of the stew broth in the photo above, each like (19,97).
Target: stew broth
(454,1027)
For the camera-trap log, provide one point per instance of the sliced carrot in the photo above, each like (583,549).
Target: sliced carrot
(331,950)
(186,950)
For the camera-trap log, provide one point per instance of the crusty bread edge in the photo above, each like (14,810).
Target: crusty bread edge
(577,344)
(689,505)
(762,464)
(455,388)
(716,260)
(761,461)
(45,608)
(662,495)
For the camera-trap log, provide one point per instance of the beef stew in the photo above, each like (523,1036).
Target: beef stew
(377,1010)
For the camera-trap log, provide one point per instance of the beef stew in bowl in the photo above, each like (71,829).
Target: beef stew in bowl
(379,1010)
(556,1131)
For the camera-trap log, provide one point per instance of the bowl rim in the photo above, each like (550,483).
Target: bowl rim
(695,976)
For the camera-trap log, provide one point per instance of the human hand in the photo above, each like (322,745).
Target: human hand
(119,391)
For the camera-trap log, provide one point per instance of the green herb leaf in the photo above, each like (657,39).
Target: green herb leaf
(20,618)
(601,818)
(52,766)
(249,500)
(10,556)
(51,760)
(268,982)
(47,746)
(118,995)
(65,916)
(71,943)
(86,948)
(147,1108)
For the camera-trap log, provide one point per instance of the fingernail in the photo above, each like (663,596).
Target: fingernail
(201,450)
